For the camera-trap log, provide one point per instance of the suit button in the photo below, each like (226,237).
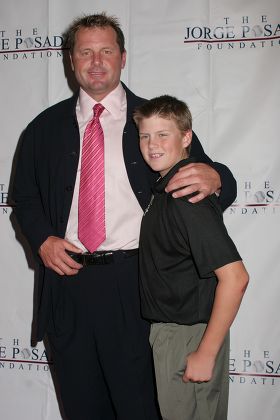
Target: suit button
(73,153)
(133,163)
(69,188)
(139,192)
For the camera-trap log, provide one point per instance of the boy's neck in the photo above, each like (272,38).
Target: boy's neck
(185,156)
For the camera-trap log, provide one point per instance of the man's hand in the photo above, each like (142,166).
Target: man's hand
(199,367)
(53,255)
(195,177)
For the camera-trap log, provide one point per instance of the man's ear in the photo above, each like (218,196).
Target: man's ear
(187,138)
(71,61)
(123,59)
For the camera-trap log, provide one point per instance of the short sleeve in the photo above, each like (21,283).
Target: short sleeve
(202,227)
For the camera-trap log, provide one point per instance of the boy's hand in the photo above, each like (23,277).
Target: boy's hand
(195,177)
(199,367)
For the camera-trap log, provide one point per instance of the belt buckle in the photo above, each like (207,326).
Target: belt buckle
(99,259)
(108,257)
(96,259)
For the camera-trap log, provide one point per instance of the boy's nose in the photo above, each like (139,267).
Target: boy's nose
(153,142)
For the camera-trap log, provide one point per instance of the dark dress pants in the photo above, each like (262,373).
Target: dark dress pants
(100,347)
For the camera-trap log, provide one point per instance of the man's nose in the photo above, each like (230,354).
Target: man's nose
(96,57)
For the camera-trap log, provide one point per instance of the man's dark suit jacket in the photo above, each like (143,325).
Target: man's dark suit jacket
(45,179)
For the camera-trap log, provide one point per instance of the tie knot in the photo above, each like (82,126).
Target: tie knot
(97,110)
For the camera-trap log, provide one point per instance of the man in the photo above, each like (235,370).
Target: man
(89,304)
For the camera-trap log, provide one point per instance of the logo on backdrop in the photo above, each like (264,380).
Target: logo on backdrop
(245,367)
(254,368)
(228,34)
(256,199)
(15,356)
(22,44)
(5,208)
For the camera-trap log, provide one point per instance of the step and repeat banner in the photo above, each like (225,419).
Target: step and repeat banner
(223,58)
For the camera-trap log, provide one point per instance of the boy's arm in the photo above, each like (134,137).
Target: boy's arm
(232,283)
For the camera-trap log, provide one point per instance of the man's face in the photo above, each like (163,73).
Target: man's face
(97,61)
(162,143)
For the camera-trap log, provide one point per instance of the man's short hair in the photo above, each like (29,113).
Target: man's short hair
(167,107)
(101,20)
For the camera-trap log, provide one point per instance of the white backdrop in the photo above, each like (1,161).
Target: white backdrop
(222,58)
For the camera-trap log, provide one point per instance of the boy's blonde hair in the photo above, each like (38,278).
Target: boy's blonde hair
(168,107)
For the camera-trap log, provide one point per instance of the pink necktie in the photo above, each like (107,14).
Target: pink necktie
(91,226)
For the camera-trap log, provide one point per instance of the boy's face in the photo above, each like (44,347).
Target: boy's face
(162,144)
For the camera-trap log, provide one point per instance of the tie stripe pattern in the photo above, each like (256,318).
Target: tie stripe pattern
(91,212)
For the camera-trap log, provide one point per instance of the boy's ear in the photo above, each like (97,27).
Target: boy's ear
(187,138)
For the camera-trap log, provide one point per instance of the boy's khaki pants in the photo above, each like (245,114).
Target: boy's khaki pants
(171,343)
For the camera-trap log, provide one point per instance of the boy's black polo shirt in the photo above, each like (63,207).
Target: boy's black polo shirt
(181,244)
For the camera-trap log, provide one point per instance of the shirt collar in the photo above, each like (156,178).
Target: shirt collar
(114,102)
(162,182)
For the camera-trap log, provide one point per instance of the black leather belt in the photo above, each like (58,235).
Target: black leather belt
(102,257)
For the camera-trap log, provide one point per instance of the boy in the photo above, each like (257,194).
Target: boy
(192,277)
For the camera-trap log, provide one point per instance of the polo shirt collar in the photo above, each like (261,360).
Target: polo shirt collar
(162,182)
